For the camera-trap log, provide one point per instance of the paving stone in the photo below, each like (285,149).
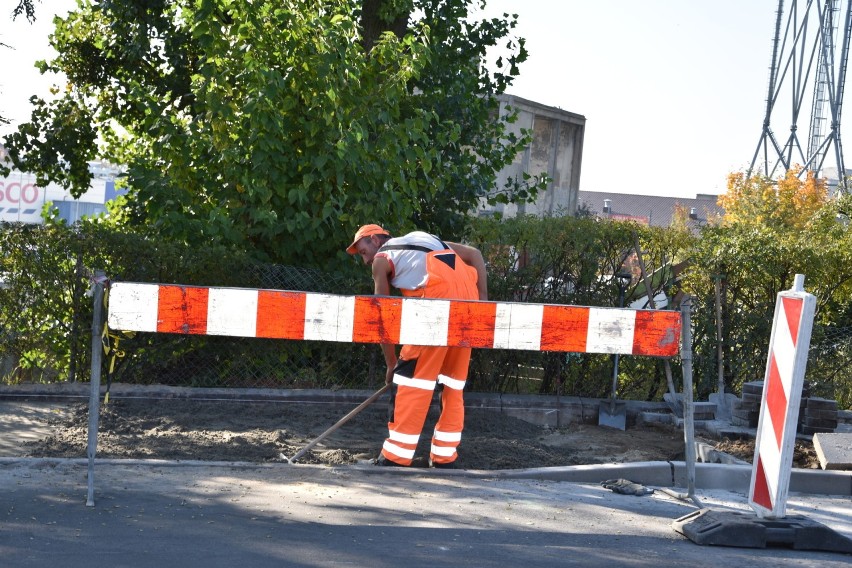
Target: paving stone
(724,403)
(746,414)
(821,422)
(752,398)
(704,410)
(753,387)
(820,404)
(742,422)
(654,417)
(834,450)
(826,414)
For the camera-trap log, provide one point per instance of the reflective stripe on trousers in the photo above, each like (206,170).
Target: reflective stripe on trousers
(414,381)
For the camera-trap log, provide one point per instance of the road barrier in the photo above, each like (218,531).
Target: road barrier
(375,319)
(282,314)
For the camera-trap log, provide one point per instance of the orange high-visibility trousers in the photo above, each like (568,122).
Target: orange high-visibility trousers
(419,371)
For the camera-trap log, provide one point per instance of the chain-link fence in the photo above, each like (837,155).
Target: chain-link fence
(744,351)
(46,316)
(213,361)
(830,363)
(46,322)
(219,361)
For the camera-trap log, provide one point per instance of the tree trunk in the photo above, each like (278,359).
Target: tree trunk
(373,25)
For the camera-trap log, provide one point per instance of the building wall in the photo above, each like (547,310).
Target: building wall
(654,210)
(556,149)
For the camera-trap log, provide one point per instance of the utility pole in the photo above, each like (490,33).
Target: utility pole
(807,70)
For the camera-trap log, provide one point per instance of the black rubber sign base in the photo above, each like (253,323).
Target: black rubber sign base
(747,530)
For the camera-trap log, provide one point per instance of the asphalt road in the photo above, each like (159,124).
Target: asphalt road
(209,515)
(197,514)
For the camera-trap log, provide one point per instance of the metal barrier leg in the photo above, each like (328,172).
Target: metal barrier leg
(688,409)
(94,397)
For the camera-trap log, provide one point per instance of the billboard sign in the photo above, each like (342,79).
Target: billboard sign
(21,199)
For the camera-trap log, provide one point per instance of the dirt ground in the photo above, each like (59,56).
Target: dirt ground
(804,455)
(175,429)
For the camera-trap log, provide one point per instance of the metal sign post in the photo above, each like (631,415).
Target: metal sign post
(94,397)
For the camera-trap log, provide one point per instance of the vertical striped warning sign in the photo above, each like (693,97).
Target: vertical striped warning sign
(782,393)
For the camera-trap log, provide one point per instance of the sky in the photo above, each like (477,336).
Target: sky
(673,91)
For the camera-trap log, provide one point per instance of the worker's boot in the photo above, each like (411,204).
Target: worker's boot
(383,461)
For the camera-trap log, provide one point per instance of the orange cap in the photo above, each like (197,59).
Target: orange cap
(365,231)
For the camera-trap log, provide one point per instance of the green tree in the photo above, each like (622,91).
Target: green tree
(279,127)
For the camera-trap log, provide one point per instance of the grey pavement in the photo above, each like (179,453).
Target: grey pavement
(194,514)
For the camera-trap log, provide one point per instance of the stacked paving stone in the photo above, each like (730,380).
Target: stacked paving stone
(745,411)
(814,417)
(700,410)
(819,416)
(703,411)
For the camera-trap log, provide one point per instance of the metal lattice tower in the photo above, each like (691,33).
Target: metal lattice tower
(807,71)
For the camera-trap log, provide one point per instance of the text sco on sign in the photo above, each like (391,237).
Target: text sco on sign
(17,194)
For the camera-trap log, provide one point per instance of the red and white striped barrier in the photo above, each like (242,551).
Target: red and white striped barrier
(383,319)
(782,393)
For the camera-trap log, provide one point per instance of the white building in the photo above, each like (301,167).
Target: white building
(22,199)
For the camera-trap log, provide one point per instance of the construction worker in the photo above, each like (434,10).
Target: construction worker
(422,265)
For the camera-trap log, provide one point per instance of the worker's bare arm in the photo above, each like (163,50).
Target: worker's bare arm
(381,287)
(473,257)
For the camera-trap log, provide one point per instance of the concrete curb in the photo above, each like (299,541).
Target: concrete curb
(654,474)
(549,411)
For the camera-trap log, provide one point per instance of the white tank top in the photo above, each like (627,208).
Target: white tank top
(407,258)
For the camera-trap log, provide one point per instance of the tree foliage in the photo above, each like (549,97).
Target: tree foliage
(786,203)
(25,8)
(279,127)
(755,255)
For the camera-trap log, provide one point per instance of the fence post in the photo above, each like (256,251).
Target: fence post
(720,348)
(77,291)
(98,286)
